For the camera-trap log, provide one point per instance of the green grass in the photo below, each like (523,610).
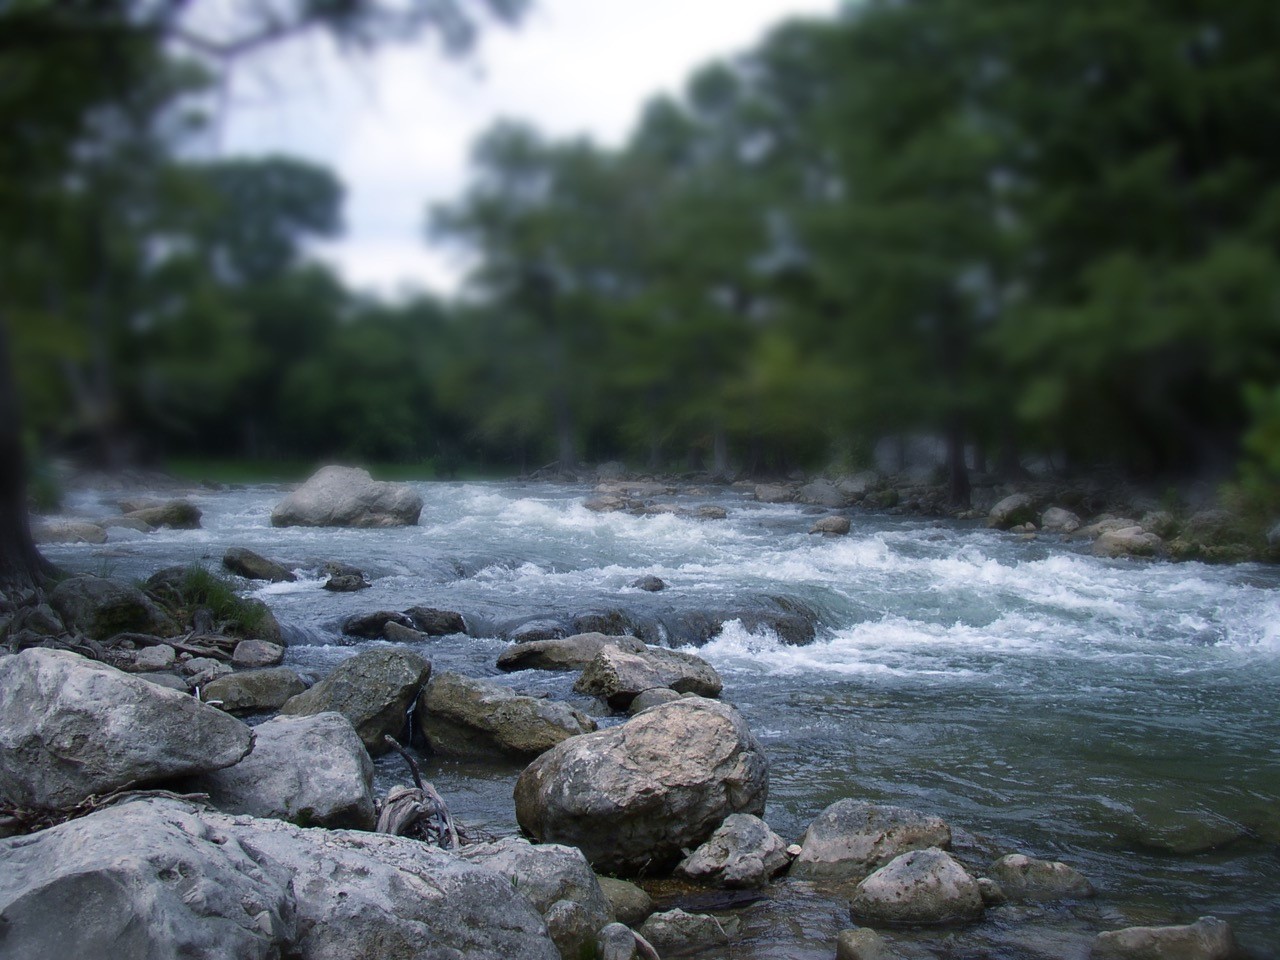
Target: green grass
(200,587)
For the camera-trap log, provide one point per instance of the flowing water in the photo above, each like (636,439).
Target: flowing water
(1118,715)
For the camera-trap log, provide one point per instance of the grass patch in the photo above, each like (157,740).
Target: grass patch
(185,590)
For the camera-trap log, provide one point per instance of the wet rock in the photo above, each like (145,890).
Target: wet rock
(615,942)
(1207,939)
(823,493)
(469,717)
(1013,510)
(345,583)
(612,623)
(630,904)
(336,568)
(373,690)
(610,504)
(175,514)
(831,526)
(710,511)
(743,852)
(793,624)
(652,697)
(436,623)
(312,771)
(1107,523)
(256,653)
(1024,878)
(849,839)
(617,676)
(649,583)
(774,493)
(992,893)
(372,626)
(348,497)
(676,933)
(126,523)
(564,653)
(632,797)
(923,886)
(58,530)
(254,691)
(71,728)
(1059,520)
(530,631)
(254,566)
(1127,542)
(100,608)
(862,943)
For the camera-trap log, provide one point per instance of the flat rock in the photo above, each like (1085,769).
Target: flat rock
(254,566)
(100,608)
(254,691)
(348,497)
(563,653)
(1207,939)
(617,676)
(1024,878)
(850,839)
(632,797)
(923,886)
(71,728)
(743,852)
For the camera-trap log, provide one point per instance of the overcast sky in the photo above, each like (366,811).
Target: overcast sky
(397,128)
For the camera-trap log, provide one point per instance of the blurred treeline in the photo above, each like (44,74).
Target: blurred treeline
(1029,228)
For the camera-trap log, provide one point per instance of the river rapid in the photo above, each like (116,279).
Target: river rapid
(1118,715)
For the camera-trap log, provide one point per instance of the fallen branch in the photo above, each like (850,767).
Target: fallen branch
(418,812)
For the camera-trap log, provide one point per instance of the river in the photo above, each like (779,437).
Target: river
(1118,715)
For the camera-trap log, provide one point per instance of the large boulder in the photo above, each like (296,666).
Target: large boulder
(254,691)
(1013,510)
(1127,542)
(71,728)
(348,497)
(1026,878)
(373,690)
(632,797)
(160,878)
(630,904)
(1059,520)
(743,852)
(100,608)
(1207,939)
(312,771)
(617,676)
(850,839)
(254,566)
(466,716)
(923,886)
(774,493)
(563,653)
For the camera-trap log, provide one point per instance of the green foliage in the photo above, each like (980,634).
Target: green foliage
(198,587)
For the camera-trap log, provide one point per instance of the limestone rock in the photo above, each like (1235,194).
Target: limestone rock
(254,691)
(257,653)
(652,697)
(633,796)
(100,608)
(1207,939)
(176,514)
(850,839)
(743,852)
(1059,520)
(1127,542)
(71,728)
(563,653)
(923,886)
(823,493)
(1024,878)
(348,497)
(617,676)
(774,493)
(254,566)
(616,942)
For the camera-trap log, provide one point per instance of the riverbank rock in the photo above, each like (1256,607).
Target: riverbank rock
(61,530)
(617,676)
(634,796)
(823,493)
(100,608)
(1207,939)
(254,691)
(630,904)
(373,690)
(1127,542)
(653,697)
(676,933)
(253,566)
(71,728)
(831,526)
(1024,878)
(1013,510)
(256,653)
(348,497)
(923,886)
(615,941)
(312,771)
(469,717)
(163,878)
(743,852)
(175,514)
(774,493)
(1059,520)
(563,653)
(850,839)
(861,943)
(1216,536)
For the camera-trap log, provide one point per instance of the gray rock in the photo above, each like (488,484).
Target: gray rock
(630,904)
(617,676)
(861,943)
(246,563)
(71,728)
(312,771)
(348,497)
(1012,510)
(254,691)
(206,668)
(345,583)
(563,653)
(992,893)
(823,493)
(1207,939)
(372,626)
(127,523)
(257,653)
(859,484)
(831,526)
(1059,520)
(1160,522)
(169,681)
(743,852)
(394,633)
(100,608)
(437,623)
(676,933)
(616,942)
(159,657)
(176,514)
(469,717)
(653,584)
(923,886)
(634,796)
(544,628)
(1127,542)
(774,493)
(849,839)
(1107,523)
(60,530)
(373,690)
(710,511)
(653,697)
(1024,878)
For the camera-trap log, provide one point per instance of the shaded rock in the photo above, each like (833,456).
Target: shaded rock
(883,499)
(612,623)
(652,697)
(823,493)
(611,470)
(1160,522)
(617,676)
(373,690)
(254,691)
(345,583)
(71,728)
(348,497)
(615,942)
(336,568)
(1127,542)
(676,933)
(1273,537)
(992,893)
(1059,520)
(654,584)
(253,566)
(436,623)
(465,716)
(774,493)
(564,653)
(38,619)
(395,633)
(57,530)
(1013,510)
(176,514)
(630,904)
(831,526)
(743,852)
(126,523)
(861,943)
(610,504)
(923,886)
(169,681)
(1207,939)
(372,626)
(203,669)
(257,653)
(101,608)
(633,796)
(849,839)
(1024,878)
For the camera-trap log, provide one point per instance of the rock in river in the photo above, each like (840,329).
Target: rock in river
(254,566)
(348,497)
(564,653)
(1207,939)
(743,852)
(849,839)
(618,676)
(252,691)
(100,608)
(923,886)
(1025,878)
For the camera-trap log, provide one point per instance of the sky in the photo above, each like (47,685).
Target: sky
(397,126)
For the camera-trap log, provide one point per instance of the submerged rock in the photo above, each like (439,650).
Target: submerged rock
(653,584)
(1024,878)
(1207,939)
(617,676)
(850,839)
(861,943)
(564,653)
(254,566)
(632,797)
(923,886)
(743,852)
(348,497)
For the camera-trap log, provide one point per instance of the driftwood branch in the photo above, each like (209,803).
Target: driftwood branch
(418,812)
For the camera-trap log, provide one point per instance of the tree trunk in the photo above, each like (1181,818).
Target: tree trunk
(958,490)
